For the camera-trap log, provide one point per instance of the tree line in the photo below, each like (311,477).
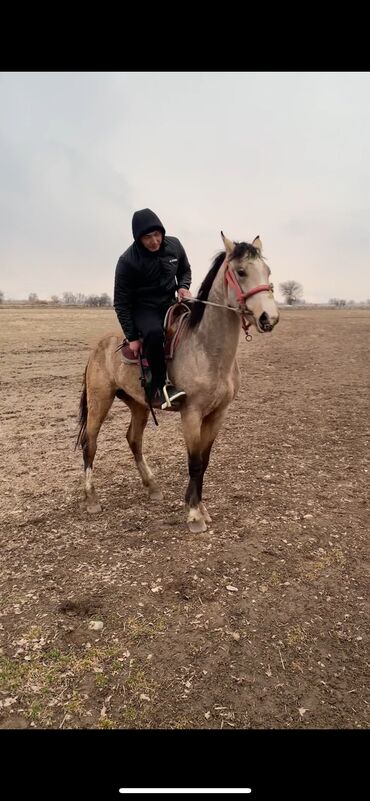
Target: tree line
(79,299)
(292,292)
(68,299)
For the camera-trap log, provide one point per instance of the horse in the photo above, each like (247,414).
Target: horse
(235,290)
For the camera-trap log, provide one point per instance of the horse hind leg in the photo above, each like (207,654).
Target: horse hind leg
(94,408)
(134,436)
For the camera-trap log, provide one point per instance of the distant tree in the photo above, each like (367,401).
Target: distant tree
(93,300)
(338,302)
(292,291)
(33,298)
(1,296)
(69,298)
(55,299)
(105,300)
(98,300)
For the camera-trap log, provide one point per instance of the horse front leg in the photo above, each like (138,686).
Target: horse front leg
(191,423)
(209,430)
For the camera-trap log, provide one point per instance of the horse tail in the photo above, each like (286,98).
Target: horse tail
(83,411)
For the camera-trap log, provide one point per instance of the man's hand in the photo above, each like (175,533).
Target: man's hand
(135,346)
(183,293)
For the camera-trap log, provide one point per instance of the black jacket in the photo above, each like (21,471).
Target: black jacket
(145,279)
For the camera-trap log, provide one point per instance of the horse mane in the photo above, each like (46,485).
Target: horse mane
(197,309)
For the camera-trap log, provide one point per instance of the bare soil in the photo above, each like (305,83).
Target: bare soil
(262,621)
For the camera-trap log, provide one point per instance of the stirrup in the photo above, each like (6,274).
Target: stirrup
(176,395)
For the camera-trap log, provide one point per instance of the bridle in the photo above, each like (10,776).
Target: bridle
(231,280)
(242,297)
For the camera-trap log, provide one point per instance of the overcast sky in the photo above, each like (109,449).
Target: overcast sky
(282,155)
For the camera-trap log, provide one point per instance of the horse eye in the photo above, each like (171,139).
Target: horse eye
(241,273)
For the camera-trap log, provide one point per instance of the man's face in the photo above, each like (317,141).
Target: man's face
(152,241)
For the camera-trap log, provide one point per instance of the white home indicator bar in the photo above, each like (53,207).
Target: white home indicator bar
(185,790)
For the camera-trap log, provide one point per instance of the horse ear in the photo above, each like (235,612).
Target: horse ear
(229,245)
(257,244)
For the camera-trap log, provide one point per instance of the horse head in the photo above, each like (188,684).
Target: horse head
(248,285)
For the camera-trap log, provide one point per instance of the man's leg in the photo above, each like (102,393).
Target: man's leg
(150,323)
(154,352)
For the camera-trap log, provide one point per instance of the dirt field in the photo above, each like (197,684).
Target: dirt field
(261,622)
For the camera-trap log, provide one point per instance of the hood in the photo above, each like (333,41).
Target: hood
(145,221)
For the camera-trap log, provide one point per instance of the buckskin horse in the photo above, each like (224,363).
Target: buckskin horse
(235,291)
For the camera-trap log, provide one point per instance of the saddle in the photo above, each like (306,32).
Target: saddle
(175,323)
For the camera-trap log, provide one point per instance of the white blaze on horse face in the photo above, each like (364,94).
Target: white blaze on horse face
(262,304)
(251,273)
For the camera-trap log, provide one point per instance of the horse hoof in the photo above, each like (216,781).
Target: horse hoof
(94,508)
(156,495)
(197,526)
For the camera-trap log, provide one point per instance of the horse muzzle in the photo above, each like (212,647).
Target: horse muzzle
(266,322)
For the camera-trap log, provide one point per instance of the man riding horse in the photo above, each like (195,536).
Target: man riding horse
(147,276)
(235,294)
